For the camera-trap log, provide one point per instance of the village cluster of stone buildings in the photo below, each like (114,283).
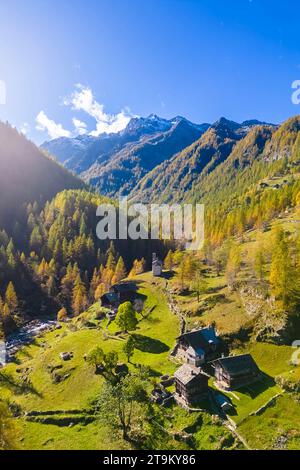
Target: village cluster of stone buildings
(201,352)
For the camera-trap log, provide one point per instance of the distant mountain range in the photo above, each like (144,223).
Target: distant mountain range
(114,163)
(150,149)
(152,160)
(227,161)
(180,177)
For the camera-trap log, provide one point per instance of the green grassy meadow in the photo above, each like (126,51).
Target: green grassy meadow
(29,383)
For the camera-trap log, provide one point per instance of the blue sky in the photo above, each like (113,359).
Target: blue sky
(86,66)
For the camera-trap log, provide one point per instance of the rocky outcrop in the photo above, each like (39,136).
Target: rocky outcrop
(270,324)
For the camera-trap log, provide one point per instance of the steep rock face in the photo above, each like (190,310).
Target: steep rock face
(149,125)
(27,175)
(79,153)
(285,142)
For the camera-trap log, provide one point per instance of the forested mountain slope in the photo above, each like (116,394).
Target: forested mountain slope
(50,256)
(245,176)
(224,163)
(258,181)
(55,261)
(27,175)
(265,152)
(174,179)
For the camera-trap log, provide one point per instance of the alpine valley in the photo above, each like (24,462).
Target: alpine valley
(140,344)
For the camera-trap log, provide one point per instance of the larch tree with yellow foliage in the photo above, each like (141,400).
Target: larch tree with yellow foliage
(284,277)
(120,272)
(79,297)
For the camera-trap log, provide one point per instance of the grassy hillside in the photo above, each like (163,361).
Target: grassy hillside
(158,331)
(51,407)
(277,428)
(59,413)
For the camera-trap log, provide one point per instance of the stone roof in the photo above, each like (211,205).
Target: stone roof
(186,373)
(200,339)
(237,365)
(124,287)
(110,297)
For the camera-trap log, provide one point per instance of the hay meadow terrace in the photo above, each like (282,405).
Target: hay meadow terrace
(53,399)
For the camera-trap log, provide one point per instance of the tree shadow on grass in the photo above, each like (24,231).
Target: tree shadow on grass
(195,426)
(150,345)
(16,360)
(215,289)
(25,353)
(224,300)
(152,320)
(16,387)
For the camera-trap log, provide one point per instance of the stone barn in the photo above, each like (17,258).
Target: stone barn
(198,347)
(191,385)
(233,372)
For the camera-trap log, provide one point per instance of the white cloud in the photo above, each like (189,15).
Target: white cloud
(25,128)
(82,99)
(80,126)
(55,130)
